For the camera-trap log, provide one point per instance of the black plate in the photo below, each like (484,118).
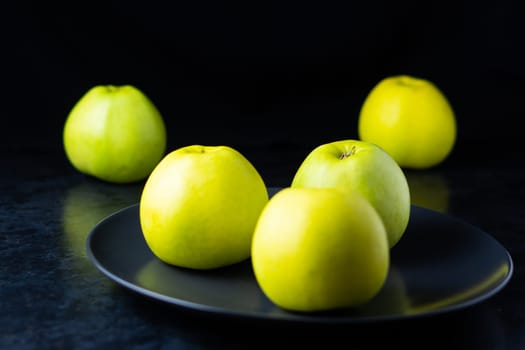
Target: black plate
(441,264)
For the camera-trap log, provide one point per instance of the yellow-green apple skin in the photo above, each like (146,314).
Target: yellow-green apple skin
(411,119)
(318,249)
(355,165)
(199,207)
(115,133)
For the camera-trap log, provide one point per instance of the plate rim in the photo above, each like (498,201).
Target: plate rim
(299,317)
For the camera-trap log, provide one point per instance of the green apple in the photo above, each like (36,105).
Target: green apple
(199,207)
(411,119)
(364,167)
(114,133)
(318,249)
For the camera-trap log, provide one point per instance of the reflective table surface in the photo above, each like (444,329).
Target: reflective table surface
(52,296)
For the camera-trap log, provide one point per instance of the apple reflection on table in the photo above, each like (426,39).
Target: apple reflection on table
(85,205)
(429,189)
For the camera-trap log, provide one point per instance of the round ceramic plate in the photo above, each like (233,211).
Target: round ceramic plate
(441,264)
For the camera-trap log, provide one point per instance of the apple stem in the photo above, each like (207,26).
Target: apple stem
(347,153)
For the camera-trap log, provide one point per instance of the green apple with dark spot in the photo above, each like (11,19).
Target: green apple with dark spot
(364,167)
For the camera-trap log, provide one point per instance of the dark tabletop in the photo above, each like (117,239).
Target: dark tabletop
(52,296)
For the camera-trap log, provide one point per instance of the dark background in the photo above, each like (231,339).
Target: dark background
(265,77)
(274,79)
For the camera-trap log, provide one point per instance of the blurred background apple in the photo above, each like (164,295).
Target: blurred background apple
(115,133)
